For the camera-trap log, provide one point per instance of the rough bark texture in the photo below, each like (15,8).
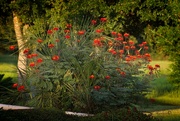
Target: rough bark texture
(21,58)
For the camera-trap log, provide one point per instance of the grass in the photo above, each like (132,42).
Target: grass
(168,115)
(8,65)
(163,112)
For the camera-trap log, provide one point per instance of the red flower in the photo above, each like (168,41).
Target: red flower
(139,56)
(67,36)
(32,64)
(57,40)
(147,55)
(81,32)
(131,42)
(97,42)
(114,52)
(26,51)
(103,19)
(126,35)
(150,67)
(119,34)
(12,47)
(99,30)
(146,47)
(49,32)
(140,45)
(39,60)
(34,54)
(124,42)
(93,22)
(133,47)
(128,59)
(66,31)
(127,47)
(123,73)
(15,85)
(97,87)
(149,59)
(21,88)
(113,33)
(107,77)
(137,52)
(157,66)
(39,40)
(121,51)
(29,56)
(91,76)
(55,58)
(69,26)
(119,39)
(144,43)
(133,57)
(50,45)
(55,28)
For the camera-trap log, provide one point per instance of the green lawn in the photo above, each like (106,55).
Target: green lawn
(8,65)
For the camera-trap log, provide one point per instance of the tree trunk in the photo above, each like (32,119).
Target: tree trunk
(22,61)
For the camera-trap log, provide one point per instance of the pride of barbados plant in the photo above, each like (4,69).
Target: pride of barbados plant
(81,68)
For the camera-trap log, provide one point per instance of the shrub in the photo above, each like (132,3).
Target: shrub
(81,68)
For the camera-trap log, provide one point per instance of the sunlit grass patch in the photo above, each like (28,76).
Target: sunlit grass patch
(8,68)
(168,100)
(168,115)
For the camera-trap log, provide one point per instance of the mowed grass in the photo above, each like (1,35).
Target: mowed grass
(8,65)
(167,115)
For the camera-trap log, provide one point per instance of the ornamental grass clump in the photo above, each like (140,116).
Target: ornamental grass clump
(81,68)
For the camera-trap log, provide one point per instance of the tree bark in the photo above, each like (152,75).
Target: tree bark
(22,61)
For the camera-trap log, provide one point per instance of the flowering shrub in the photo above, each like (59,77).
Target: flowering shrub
(81,68)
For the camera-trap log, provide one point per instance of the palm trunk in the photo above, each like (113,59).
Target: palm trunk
(22,61)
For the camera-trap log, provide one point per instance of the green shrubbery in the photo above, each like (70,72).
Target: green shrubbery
(82,68)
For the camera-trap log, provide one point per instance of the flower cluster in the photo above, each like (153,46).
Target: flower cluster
(20,88)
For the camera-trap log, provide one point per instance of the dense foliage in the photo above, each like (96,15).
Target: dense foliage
(80,67)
